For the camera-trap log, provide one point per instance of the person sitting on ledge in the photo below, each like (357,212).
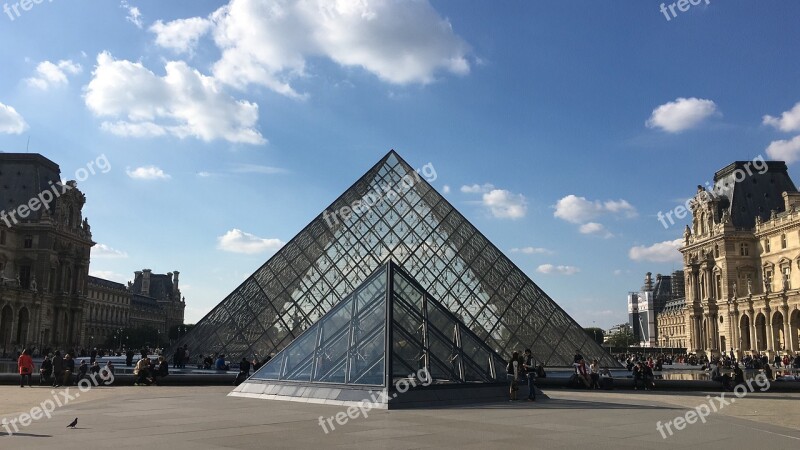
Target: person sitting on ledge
(162,370)
(716,375)
(142,372)
(220,364)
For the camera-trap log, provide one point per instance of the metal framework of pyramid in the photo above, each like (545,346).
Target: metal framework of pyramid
(392,214)
(387,331)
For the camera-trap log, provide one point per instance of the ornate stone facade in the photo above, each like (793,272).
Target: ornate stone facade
(742,263)
(44,255)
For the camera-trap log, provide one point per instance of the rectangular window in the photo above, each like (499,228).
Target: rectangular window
(768,280)
(766,245)
(787,277)
(783,241)
(2,237)
(28,243)
(744,249)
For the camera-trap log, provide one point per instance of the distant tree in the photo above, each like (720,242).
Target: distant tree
(596,333)
(622,338)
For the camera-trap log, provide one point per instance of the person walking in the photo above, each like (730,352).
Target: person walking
(25,365)
(512,370)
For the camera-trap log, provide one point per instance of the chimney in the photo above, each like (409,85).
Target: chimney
(791,200)
(175,279)
(146,281)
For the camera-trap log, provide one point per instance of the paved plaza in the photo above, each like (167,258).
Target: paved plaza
(206,418)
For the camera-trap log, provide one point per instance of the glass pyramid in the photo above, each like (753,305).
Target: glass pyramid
(348,344)
(392,214)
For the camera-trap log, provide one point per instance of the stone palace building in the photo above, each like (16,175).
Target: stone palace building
(742,263)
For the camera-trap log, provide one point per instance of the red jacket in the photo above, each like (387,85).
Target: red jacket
(25,365)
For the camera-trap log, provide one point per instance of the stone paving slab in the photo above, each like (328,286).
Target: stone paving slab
(206,418)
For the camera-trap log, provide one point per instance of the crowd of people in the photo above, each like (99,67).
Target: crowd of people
(523,368)
(57,370)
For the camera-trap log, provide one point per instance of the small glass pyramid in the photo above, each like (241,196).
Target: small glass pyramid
(348,344)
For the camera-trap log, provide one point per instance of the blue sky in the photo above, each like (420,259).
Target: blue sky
(560,129)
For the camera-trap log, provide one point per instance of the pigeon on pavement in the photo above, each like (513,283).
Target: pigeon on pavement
(74,422)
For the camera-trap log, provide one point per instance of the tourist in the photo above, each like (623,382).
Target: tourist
(512,372)
(256,364)
(93,356)
(45,370)
(58,369)
(738,375)
(25,365)
(161,371)
(649,378)
(638,376)
(185,356)
(594,370)
(69,369)
(577,357)
(129,357)
(95,368)
(529,364)
(142,372)
(220,364)
(718,376)
(582,374)
(244,371)
(768,373)
(177,358)
(83,369)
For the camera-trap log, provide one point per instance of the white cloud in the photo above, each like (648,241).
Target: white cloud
(109,275)
(445,189)
(785,150)
(10,120)
(532,250)
(666,251)
(551,269)
(788,121)
(682,114)
(133,16)
(576,209)
(183,103)
(204,174)
(49,74)
(595,228)
(268,42)
(237,241)
(180,35)
(104,251)
(504,204)
(477,188)
(147,173)
(255,168)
